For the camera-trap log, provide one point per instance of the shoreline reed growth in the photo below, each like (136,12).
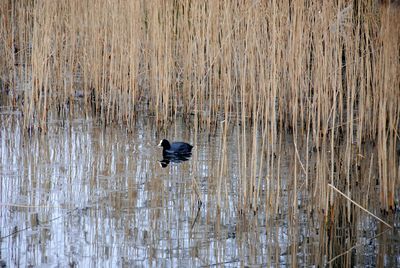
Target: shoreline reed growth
(326,71)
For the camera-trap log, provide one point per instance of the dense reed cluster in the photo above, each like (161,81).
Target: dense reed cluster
(325,71)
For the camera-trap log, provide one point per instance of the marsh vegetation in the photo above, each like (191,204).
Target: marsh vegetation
(293,108)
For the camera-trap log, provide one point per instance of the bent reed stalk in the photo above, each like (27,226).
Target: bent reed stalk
(324,70)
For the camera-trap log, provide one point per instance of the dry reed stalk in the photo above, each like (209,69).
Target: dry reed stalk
(355,203)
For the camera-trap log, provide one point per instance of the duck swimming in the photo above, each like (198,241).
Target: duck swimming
(181,148)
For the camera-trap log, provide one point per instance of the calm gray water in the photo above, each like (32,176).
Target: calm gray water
(86,196)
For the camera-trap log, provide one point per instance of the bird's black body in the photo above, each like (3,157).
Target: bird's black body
(180,148)
(175,152)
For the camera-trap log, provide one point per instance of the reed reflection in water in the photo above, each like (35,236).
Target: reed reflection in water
(83,195)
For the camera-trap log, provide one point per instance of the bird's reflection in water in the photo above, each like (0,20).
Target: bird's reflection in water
(174,158)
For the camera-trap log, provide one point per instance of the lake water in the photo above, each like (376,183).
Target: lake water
(82,195)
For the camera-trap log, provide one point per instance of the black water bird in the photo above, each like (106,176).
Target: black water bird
(176,148)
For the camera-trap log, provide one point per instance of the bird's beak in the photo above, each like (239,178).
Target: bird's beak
(159,145)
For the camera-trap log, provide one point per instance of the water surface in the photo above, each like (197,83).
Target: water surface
(88,196)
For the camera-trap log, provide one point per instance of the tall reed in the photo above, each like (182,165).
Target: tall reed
(327,71)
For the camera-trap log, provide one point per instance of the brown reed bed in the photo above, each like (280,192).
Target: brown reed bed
(325,71)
